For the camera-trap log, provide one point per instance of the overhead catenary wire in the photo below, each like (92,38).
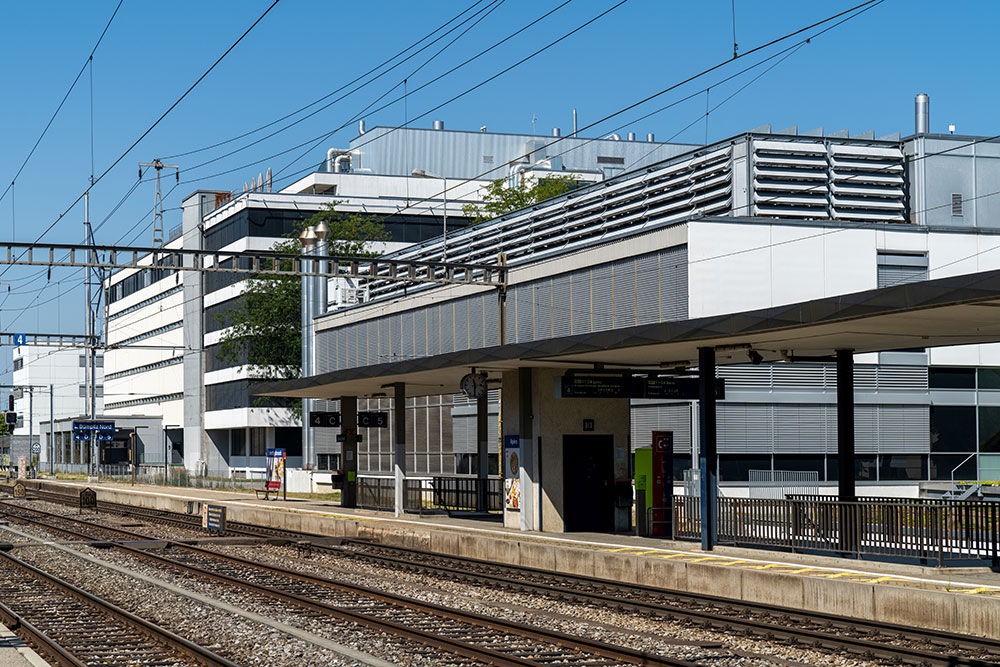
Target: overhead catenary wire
(153,125)
(341,88)
(76,80)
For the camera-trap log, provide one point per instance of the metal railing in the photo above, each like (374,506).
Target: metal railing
(429,494)
(930,530)
(461,494)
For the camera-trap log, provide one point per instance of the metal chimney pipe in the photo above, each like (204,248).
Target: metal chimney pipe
(922,112)
(574,122)
(361,127)
(556,132)
(650,138)
(631,136)
(439,125)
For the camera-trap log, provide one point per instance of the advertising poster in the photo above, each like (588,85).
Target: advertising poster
(275,466)
(512,472)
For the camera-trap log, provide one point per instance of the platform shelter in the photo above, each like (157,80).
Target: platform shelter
(574,451)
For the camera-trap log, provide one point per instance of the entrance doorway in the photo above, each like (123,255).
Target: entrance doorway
(588,483)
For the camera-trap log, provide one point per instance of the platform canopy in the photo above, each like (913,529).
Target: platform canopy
(957,310)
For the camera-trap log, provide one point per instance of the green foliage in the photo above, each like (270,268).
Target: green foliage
(4,430)
(500,199)
(265,331)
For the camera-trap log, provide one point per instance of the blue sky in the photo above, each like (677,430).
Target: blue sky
(862,76)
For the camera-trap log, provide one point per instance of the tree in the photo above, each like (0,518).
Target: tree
(500,199)
(265,328)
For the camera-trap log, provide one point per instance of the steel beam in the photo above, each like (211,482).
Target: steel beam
(250,263)
(45,340)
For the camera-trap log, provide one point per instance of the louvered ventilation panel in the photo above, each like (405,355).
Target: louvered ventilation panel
(790,179)
(867,183)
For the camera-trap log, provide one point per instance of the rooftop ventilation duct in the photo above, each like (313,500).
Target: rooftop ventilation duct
(439,125)
(922,112)
(361,127)
(631,136)
(650,137)
(556,132)
(614,136)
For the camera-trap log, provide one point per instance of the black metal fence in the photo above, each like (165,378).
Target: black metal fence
(462,494)
(931,530)
(437,494)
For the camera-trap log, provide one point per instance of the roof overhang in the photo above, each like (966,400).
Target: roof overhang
(957,310)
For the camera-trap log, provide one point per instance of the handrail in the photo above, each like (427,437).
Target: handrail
(966,460)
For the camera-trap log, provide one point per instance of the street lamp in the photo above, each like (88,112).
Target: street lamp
(422,173)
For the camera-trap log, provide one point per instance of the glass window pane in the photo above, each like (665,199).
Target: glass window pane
(864,467)
(902,467)
(803,463)
(943,464)
(238,442)
(940,377)
(989,378)
(953,428)
(989,429)
(737,467)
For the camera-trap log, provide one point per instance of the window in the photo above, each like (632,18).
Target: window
(941,377)
(864,468)
(943,464)
(956,204)
(902,467)
(989,429)
(607,159)
(238,442)
(258,442)
(989,378)
(953,428)
(328,461)
(737,467)
(464,464)
(19,363)
(896,267)
(803,463)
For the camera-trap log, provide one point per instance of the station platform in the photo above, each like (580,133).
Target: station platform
(955,599)
(15,653)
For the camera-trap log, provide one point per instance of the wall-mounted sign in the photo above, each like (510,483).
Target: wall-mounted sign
(588,424)
(613,385)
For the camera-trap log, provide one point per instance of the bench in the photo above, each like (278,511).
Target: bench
(269,487)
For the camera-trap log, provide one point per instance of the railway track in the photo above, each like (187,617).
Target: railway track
(907,645)
(73,628)
(481,638)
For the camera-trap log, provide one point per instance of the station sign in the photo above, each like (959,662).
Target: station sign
(94,426)
(213,517)
(373,420)
(36,448)
(86,435)
(614,385)
(324,419)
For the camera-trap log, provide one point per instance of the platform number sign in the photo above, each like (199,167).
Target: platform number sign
(20,339)
(373,420)
(324,419)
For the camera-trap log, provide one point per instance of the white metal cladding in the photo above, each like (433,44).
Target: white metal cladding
(822,376)
(812,429)
(464,436)
(674,417)
(827,179)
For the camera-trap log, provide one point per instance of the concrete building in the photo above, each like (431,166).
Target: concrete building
(36,369)
(164,326)
(755,222)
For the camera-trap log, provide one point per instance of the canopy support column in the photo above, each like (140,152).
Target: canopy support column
(707,440)
(399,440)
(349,450)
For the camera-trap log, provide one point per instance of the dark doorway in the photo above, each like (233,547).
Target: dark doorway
(588,483)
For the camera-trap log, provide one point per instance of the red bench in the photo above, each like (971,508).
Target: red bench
(269,487)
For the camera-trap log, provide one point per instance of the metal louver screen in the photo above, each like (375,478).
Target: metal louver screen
(900,275)
(956,204)
(674,417)
(645,289)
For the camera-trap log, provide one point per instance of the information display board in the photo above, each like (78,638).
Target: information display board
(615,385)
